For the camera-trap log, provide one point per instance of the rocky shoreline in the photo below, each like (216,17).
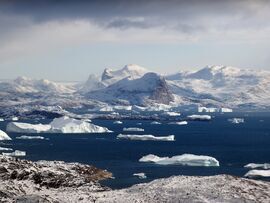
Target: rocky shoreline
(57,181)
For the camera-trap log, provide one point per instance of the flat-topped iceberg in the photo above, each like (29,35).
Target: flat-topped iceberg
(253,165)
(15,153)
(178,123)
(184,159)
(236,120)
(199,117)
(58,125)
(146,137)
(133,129)
(25,137)
(258,173)
(4,136)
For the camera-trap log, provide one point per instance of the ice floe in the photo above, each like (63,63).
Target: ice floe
(117,122)
(155,123)
(140,175)
(184,159)
(133,129)
(178,123)
(4,136)
(236,120)
(5,149)
(14,118)
(253,165)
(257,173)
(169,113)
(58,125)
(199,117)
(25,137)
(15,153)
(146,137)
(1,119)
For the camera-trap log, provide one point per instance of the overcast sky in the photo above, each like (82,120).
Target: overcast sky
(68,40)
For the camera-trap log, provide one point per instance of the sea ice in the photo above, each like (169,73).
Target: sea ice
(146,137)
(179,123)
(5,149)
(199,117)
(184,159)
(169,113)
(25,137)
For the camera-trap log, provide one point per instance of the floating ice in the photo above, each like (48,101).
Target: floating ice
(4,136)
(5,149)
(169,113)
(155,123)
(140,175)
(117,122)
(199,117)
(208,110)
(236,120)
(133,129)
(253,165)
(179,123)
(58,125)
(184,159)
(1,119)
(258,173)
(25,137)
(15,153)
(146,137)
(14,118)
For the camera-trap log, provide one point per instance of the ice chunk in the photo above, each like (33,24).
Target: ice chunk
(146,137)
(5,149)
(236,120)
(4,136)
(179,123)
(184,159)
(226,110)
(117,122)
(25,137)
(140,175)
(253,165)
(133,129)
(58,125)
(155,123)
(1,119)
(258,173)
(199,117)
(15,153)
(208,110)
(15,118)
(171,113)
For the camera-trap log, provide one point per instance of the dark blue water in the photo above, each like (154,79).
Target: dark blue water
(234,145)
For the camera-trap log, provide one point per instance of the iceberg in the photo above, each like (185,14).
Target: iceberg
(58,125)
(184,159)
(208,110)
(5,149)
(15,153)
(179,123)
(253,165)
(1,119)
(171,113)
(14,118)
(4,136)
(146,137)
(117,122)
(25,137)
(226,110)
(199,117)
(140,175)
(258,173)
(133,129)
(236,120)
(155,123)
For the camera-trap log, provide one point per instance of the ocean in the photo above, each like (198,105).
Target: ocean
(233,145)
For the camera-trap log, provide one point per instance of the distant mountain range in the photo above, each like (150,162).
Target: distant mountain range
(212,86)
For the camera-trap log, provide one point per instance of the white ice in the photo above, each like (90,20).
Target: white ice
(4,136)
(140,175)
(258,173)
(199,117)
(133,129)
(15,153)
(236,120)
(179,123)
(25,137)
(253,166)
(117,122)
(146,137)
(155,123)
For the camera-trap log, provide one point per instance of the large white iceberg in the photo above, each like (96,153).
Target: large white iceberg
(184,159)
(199,117)
(146,137)
(258,173)
(4,136)
(253,165)
(133,129)
(58,125)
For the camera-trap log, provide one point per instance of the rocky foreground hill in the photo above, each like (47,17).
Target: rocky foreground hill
(56,181)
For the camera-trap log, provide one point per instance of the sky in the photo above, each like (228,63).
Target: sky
(68,40)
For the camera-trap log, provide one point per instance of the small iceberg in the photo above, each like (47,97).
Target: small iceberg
(25,137)
(1,119)
(199,117)
(15,118)
(184,159)
(253,166)
(133,129)
(140,175)
(146,137)
(117,122)
(178,123)
(58,125)
(236,120)
(15,153)
(4,136)
(258,174)
(169,113)
(5,149)
(155,123)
